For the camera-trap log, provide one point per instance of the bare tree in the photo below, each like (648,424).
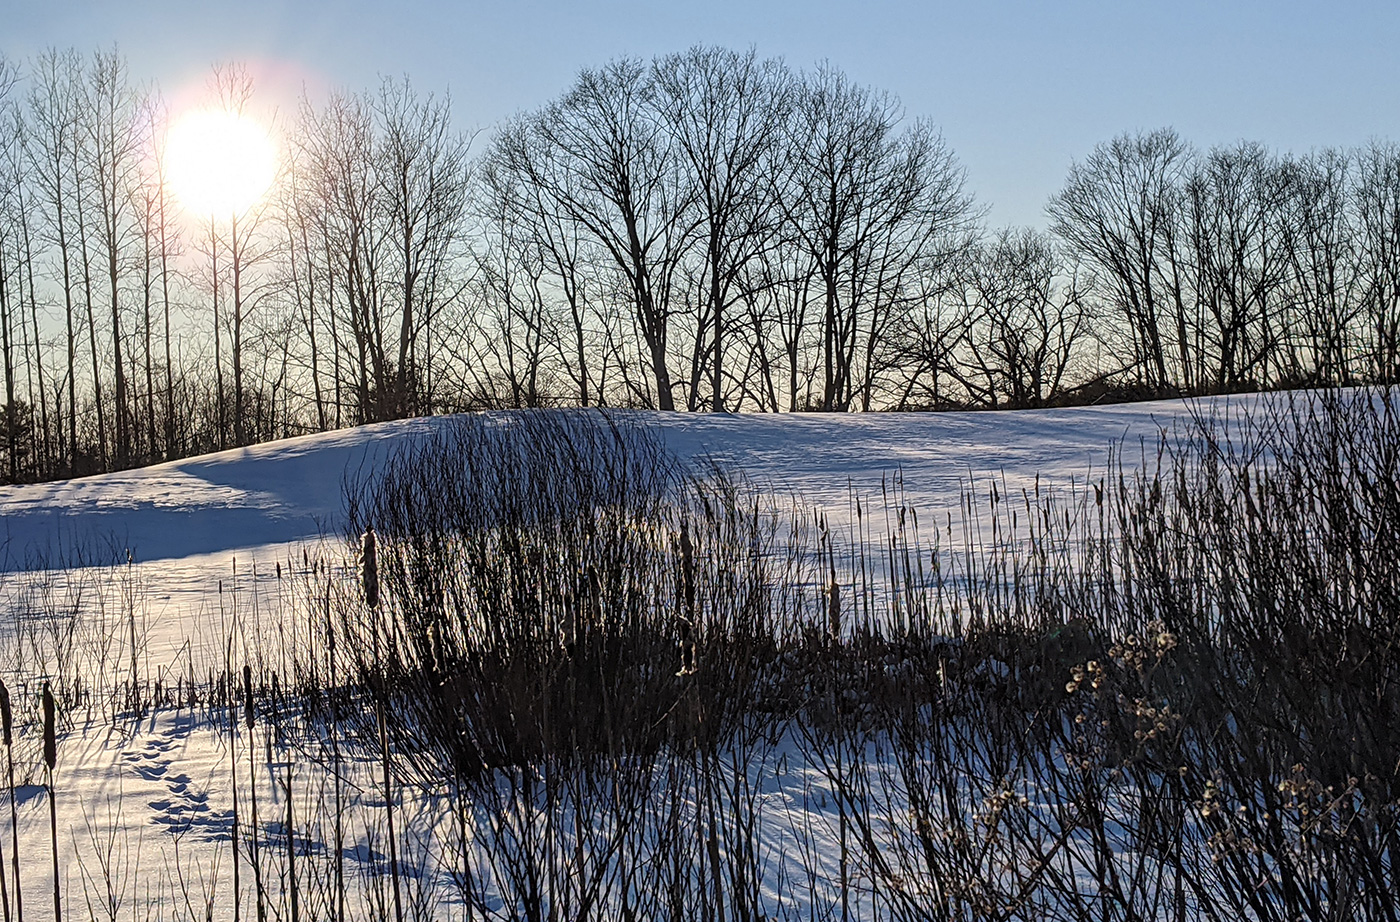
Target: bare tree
(162,246)
(526,184)
(11,265)
(113,144)
(518,330)
(874,209)
(605,163)
(1120,212)
(931,345)
(382,192)
(724,112)
(1028,315)
(564,250)
(704,230)
(422,172)
(305,267)
(1376,205)
(339,144)
(247,248)
(53,111)
(1233,218)
(1320,250)
(17,163)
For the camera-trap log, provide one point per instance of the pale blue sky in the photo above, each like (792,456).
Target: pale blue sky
(1020,88)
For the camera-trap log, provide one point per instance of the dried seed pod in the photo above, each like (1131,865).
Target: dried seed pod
(687,647)
(50,730)
(833,608)
(248,711)
(369,569)
(6,718)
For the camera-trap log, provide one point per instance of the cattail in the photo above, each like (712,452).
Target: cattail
(6,725)
(51,760)
(227,693)
(833,607)
(8,722)
(6,718)
(369,569)
(687,644)
(50,730)
(248,712)
(249,715)
(291,847)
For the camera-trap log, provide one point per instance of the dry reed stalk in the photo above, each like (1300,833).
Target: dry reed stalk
(389,807)
(291,848)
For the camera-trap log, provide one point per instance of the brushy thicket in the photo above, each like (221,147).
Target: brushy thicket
(540,574)
(1168,694)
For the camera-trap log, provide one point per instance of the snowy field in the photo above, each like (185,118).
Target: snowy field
(266,496)
(144,801)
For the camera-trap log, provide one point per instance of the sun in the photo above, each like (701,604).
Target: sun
(219,163)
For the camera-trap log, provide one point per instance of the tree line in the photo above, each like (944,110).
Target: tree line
(707,230)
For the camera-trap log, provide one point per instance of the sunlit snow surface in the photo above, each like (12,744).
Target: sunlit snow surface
(291,490)
(206,536)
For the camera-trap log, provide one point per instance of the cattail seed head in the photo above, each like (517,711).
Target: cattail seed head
(833,607)
(687,647)
(687,569)
(369,568)
(6,718)
(248,711)
(50,729)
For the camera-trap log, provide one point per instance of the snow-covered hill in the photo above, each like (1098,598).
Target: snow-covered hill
(286,491)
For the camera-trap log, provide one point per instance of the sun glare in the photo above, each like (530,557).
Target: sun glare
(219,163)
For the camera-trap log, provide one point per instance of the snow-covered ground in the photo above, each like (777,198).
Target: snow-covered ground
(208,537)
(288,491)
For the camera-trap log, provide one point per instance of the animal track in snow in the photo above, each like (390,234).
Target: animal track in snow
(179,805)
